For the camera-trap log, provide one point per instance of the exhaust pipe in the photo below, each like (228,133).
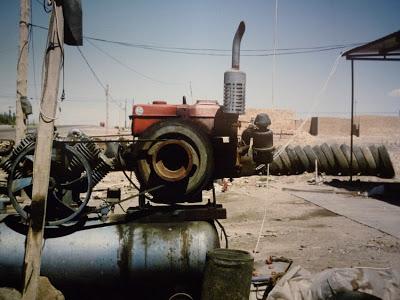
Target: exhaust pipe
(234,79)
(236,46)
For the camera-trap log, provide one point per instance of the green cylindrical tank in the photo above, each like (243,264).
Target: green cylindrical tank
(227,275)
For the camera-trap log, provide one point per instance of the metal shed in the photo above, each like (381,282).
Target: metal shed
(386,48)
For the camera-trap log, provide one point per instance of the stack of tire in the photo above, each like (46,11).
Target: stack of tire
(333,159)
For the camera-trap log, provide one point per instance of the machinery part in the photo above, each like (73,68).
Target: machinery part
(24,143)
(346,151)
(64,199)
(227,274)
(235,80)
(334,160)
(371,165)
(104,166)
(165,168)
(126,257)
(6,146)
(184,165)
(387,166)
(180,296)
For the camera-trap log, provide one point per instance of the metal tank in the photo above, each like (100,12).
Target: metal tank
(124,256)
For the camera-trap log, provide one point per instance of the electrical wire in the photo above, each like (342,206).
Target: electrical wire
(195,51)
(315,103)
(98,78)
(130,68)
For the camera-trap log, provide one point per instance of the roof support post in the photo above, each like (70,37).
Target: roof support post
(352,121)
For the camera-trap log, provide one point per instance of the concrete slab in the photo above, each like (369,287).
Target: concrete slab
(371,212)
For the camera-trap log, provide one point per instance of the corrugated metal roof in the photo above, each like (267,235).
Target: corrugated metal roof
(387,46)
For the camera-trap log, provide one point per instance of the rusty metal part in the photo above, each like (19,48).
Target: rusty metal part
(6,146)
(113,256)
(172,160)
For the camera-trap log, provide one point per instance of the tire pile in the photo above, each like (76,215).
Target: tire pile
(334,160)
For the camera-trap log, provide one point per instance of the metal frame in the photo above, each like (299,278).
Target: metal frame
(383,54)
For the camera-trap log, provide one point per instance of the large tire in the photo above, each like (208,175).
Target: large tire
(311,156)
(189,188)
(362,164)
(324,165)
(377,159)
(346,151)
(303,159)
(279,165)
(329,157)
(371,165)
(286,162)
(294,160)
(340,159)
(387,166)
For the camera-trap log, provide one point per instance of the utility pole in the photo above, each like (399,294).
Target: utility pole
(43,149)
(22,70)
(107,95)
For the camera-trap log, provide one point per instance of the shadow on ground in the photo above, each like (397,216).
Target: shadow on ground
(384,191)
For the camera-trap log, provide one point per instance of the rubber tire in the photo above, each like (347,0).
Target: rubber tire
(371,165)
(377,159)
(263,139)
(311,157)
(362,164)
(202,145)
(303,158)
(295,161)
(329,157)
(387,170)
(279,166)
(286,162)
(346,151)
(341,160)
(323,162)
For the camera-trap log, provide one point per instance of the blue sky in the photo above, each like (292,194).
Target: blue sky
(212,24)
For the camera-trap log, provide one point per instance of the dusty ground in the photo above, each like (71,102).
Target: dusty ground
(313,237)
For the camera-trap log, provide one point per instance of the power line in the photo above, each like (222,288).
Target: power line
(97,77)
(130,68)
(211,51)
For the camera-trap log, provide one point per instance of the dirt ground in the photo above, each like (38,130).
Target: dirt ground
(313,237)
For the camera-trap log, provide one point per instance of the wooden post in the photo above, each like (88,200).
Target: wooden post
(42,158)
(22,69)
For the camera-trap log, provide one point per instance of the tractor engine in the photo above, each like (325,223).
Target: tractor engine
(184,147)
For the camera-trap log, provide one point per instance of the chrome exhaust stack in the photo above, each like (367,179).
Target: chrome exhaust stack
(234,79)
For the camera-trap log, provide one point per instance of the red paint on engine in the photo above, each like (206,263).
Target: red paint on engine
(145,115)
